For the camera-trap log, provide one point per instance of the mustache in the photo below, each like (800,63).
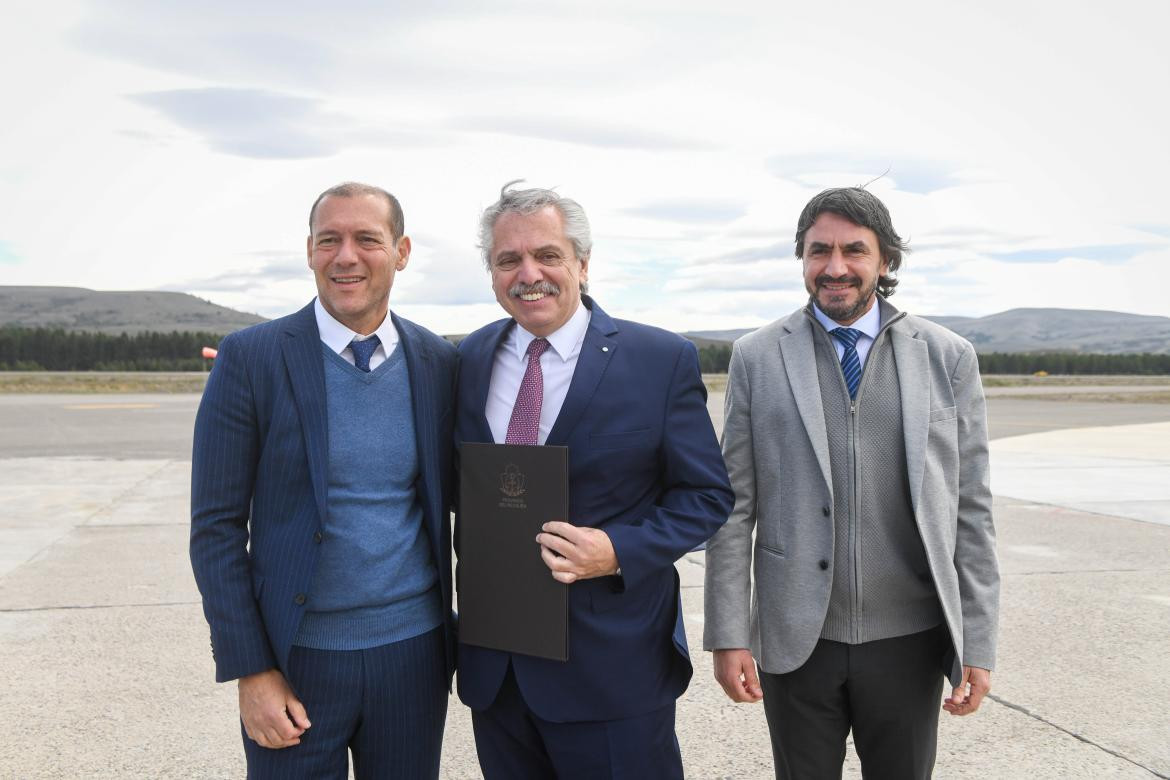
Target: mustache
(824,279)
(542,287)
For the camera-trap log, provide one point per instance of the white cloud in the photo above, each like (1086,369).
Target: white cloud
(172,146)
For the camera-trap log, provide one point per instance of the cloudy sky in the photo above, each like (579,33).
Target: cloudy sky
(172,146)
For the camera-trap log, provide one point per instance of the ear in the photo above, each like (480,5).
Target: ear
(403,252)
(309,250)
(585,269)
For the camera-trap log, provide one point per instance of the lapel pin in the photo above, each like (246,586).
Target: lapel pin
(605,349)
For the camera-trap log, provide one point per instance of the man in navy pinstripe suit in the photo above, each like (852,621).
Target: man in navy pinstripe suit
(319,527)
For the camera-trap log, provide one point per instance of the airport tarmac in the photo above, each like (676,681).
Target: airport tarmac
(104,646)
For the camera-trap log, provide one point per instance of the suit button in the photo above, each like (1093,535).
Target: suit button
(823,564)
(317,537)
(825,511)
(300,599)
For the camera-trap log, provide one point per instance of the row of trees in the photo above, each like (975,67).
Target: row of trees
(714,359)
(1073,363)
(54,349)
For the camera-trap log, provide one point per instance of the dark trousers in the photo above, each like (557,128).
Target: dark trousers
(386,704)
(889,692)
(513,743)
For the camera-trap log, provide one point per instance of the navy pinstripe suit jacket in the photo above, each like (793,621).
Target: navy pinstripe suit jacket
(259,478)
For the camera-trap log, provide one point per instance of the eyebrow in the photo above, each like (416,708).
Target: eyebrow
(855,246)
(511,254)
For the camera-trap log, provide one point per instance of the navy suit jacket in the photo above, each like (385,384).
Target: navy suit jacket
(259,482)
(644,466)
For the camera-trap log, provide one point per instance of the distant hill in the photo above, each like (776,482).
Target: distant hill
(1015,330)
(79,309)
(1037,330)
(1078,330)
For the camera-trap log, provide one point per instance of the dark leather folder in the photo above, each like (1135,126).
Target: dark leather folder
(508,599)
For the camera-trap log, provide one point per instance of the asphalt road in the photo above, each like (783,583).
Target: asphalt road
(127,427)
(98,605)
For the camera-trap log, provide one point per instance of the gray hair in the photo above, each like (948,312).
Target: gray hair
(531,201)
(353,189)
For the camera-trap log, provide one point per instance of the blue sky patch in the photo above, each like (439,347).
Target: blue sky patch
(8,254)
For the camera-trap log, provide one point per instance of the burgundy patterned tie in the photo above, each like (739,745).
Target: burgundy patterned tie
(524,427)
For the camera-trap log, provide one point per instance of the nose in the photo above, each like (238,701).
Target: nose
(346,252)
(529,271)
(836,265)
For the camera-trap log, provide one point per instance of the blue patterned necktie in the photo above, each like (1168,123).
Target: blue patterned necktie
(363,350)
(850,362)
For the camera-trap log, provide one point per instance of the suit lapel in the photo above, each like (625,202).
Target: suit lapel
(301,348)
(913,361)
(800,364)
(596,352)
(418,357)
(421,376)
(475,372)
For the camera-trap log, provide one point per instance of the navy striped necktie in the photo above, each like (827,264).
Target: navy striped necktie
(850,362)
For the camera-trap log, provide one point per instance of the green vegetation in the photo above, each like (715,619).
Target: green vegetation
(54,349)
(1073,363)
(81,382)
(714,359)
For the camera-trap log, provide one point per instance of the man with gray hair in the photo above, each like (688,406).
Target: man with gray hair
(646,485)
(856,440)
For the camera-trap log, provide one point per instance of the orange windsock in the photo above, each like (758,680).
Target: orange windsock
(210,353)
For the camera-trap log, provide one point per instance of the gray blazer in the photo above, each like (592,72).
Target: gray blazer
(777,455)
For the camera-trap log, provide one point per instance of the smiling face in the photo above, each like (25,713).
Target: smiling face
(842,263)
(536,276)
(354,257)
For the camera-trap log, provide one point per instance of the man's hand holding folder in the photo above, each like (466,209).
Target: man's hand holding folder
(576,553)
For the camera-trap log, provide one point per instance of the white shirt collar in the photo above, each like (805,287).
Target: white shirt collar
(869,323)
(337,336)
(565,340)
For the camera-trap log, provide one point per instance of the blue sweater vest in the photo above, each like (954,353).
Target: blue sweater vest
(375,580)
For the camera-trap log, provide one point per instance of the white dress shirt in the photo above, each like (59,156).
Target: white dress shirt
(557,364)
(337,336)
(869,324)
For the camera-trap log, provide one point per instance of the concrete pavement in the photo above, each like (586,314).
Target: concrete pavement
(105,650)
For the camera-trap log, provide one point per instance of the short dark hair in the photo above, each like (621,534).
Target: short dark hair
(353,189)
(861,207)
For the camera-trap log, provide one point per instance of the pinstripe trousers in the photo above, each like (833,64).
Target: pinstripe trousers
(387,705)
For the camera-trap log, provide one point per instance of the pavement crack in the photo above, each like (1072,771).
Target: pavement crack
(1080,737)
(125,493)
(58,607)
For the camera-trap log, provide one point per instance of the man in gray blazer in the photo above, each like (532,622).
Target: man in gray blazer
(856,441)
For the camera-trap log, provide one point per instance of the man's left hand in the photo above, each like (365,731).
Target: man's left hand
(575,553)
(967,697)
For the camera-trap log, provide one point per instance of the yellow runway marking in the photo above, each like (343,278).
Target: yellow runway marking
(112,406)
